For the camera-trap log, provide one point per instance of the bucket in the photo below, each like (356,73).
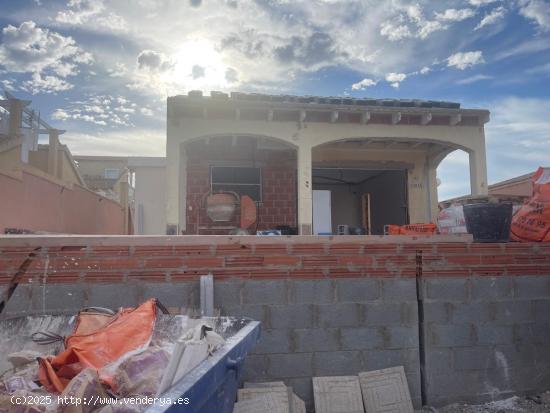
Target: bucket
(489,222)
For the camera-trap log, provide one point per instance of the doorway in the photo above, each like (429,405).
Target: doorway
(363,201)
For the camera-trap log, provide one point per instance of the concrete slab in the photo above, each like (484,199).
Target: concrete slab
(386,391)
(266,403)
(339,394)
(277,389)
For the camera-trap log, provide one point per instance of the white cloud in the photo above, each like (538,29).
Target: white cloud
(538,11)
(491,18)
(425,70)
(478,3)
(363,84)
(31,49)
(45,84)
(465,60)
(473,79)
(456,15)
(60,114)
(395,79)
(395,32)
(146,111)
(81,12)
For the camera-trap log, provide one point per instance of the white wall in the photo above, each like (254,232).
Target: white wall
(150,198)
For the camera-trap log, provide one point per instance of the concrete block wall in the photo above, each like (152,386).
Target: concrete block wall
(328,306)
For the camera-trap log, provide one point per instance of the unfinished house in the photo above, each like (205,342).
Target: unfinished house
(320,165)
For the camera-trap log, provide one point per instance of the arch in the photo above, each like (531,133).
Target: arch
(286,142)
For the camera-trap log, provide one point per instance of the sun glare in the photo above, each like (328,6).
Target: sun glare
(197,65)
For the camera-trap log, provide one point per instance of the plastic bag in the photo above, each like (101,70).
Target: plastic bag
(451,220)
(532,221)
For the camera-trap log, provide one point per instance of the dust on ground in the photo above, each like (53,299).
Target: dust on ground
(534,404)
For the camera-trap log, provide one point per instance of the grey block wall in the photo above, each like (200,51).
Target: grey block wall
(486,337)
(327,328)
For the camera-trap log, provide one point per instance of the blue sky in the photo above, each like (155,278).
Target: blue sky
(102,69)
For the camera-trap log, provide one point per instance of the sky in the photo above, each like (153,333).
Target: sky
(102,69)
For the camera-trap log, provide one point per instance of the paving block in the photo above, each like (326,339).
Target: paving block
(276,389)
(386,390)
(264,403)
(339,394)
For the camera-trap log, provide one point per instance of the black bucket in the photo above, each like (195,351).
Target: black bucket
(489,222)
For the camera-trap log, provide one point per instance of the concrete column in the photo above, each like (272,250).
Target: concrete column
(173,182)
(305,204)
(125,201)
(16,116)
(53,152)
(478,170)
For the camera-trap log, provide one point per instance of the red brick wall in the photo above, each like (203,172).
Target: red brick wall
(278,205)
(186,258)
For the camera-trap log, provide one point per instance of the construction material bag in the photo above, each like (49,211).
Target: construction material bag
(100,342)
(532,221)
(411,229)
(451,220)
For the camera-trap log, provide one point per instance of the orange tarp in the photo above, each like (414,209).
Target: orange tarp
(98,341)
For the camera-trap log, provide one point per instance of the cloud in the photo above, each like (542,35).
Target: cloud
(152,60)
(395,79)
(538,11)
(478,3)
(198,71)
(456,15)
(491,18)
(31,49)
(395,32)
(195,3)
(82,12)
(425,70)
(45,84)
(473,79)
(308,52)
(231,75)
(363,84)
(465,60)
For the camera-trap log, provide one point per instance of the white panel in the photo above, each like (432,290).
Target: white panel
(322,221)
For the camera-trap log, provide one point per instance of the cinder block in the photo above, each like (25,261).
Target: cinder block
(491,334)
(20,302)
(514,311)
(542,310)
(255,367)
(265,292)
(335,363)
(327,339)
(395,289)
(177,294)
(542,334)
(446,335)
(113,295)
(492,288)
(382,313)
(382,359)
(291,316)
(312,291)
(361,338)
(473,358)
(228,293)
(402,337)
(472,312)
(532,287)
(437,312)
(339,315)
(256,312)
(520,356)
(273,341)
(357,290)
(451,386)
(290,365)
(439,360)
(446,289)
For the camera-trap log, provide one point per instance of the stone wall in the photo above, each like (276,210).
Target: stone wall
(328,305)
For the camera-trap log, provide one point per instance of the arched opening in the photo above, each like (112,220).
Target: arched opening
(261,168)
(453,176)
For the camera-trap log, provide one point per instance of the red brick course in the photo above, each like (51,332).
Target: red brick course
(283,258)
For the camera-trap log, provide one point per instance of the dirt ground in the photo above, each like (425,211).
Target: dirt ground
(536,404)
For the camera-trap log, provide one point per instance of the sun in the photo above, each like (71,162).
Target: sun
(198,65)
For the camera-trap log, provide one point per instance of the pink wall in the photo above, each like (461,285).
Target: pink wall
(37,204)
